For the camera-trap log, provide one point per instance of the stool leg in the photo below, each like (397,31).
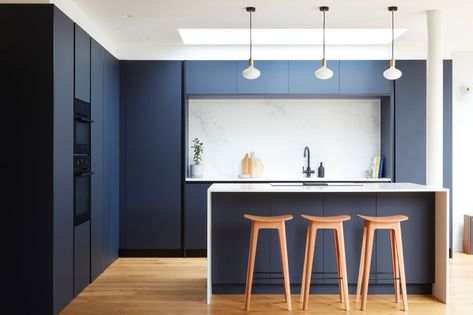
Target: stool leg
(337,255)
(305,263)
(362,266)
(395,266)
(366,272)
(343,265)
(251,263)
(400,256)
(309,262)
(285,264)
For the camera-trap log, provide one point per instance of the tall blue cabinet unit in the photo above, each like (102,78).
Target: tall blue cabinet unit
(82,242)
(39,88)
(105,105)
(151,195)
(37,91)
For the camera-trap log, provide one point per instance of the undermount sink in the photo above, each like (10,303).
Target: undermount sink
(330,184)
(315,184)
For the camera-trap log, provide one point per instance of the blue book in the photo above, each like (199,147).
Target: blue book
(381,164)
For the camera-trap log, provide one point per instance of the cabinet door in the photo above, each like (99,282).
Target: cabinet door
(210,77)
(410,122)
(350,204)
(296,232)
(364,77)
(151,215)
(196,216)
(273,79)
(302,79)
(82,64)
(111,176)
(97,193)
(81,257)
(417,234)
(231,236)
(63,232)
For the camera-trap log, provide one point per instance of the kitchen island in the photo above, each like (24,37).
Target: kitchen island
(425,235)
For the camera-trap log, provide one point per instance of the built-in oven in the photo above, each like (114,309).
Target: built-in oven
(82,128)
(82,165)
(82,189)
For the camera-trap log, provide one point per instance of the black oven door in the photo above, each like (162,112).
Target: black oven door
(82,137)
(82,197)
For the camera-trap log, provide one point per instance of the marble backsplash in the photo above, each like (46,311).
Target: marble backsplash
(344,134)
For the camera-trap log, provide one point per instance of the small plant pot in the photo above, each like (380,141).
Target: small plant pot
(197,171)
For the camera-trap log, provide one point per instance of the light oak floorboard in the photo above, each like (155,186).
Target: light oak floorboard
(142,286)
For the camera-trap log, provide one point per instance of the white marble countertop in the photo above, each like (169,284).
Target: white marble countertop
(331,187)
(276,179)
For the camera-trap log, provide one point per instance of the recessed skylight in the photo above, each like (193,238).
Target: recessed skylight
(340,36)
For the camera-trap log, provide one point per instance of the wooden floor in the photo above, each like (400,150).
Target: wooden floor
(138,286)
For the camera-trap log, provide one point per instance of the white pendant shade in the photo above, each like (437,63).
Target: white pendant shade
(251,73)
(323,73)
(392,73)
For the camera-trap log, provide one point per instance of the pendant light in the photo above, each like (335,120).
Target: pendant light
(392,73)
(323,72)
(251,72)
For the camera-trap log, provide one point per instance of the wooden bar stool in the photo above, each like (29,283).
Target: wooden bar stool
(393,224)
(336,224)
(259,223)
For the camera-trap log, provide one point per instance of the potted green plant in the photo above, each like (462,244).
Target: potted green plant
(197,169)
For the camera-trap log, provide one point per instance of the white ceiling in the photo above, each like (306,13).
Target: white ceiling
(152,31)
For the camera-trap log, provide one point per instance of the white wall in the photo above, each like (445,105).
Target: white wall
(344,134)
(462,145)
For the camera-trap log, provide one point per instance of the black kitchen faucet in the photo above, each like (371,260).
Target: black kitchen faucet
(308,171)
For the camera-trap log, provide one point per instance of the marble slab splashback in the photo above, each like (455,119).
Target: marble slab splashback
(344,134)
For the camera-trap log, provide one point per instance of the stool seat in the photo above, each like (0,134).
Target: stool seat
(268,219)
(387,219)
(328,219)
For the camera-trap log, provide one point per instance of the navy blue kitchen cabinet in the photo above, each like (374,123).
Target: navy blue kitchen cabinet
(37,198)
(350,204)
(97,161)
(296,230)
(41,116)
(195,214)
(210,77)
(151,138)
(231,239)
(63,176)
(81,257)
(82,64)
(111,157)
(360,77)
(411,122)
(302,79)
(273,79)
(417,235)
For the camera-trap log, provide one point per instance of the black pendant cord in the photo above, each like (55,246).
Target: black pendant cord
(251,35)
(392,34)
(323,45)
